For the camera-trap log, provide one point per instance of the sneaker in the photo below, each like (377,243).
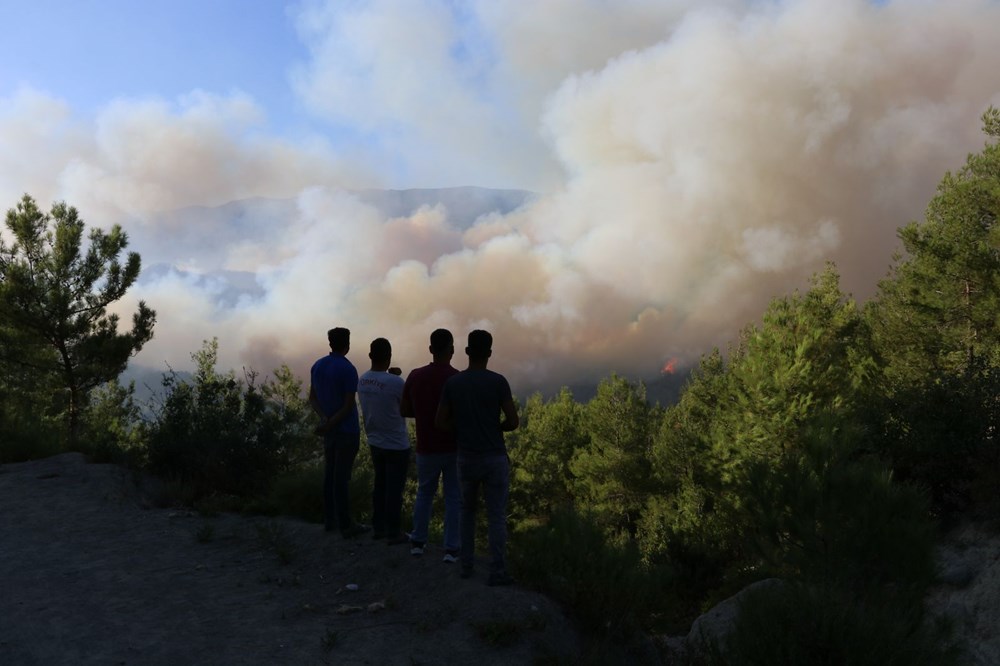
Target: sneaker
(416,549)
(450,557)
(354,530)
(498,578)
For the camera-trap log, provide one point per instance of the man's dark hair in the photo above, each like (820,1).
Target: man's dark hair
(381,350)
(441,341)
(480,344)
(339,338)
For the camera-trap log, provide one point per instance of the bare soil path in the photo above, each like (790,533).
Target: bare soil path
(91,575)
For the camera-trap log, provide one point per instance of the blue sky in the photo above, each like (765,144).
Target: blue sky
(92,51)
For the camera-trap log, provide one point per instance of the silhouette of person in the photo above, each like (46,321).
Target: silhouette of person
(332,389)
(380,392)
(436,453)
(471,404)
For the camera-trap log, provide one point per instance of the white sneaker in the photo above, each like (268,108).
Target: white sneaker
(416,550)
(449,558)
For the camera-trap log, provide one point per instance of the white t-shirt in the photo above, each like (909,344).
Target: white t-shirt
(379,393)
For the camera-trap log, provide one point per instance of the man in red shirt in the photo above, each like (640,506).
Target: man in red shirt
(436,451)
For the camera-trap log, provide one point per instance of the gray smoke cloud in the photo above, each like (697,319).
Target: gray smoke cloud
(692,161)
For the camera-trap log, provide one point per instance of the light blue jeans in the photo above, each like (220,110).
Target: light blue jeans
(430,468)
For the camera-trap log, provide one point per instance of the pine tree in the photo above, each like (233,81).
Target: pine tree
(54,296)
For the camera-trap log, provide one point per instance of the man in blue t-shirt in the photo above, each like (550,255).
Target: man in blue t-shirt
(471,404)
(332,390)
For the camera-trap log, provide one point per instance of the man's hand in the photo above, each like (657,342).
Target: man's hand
(323,428)
(395,371)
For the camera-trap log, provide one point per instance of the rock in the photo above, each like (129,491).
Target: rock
(968,591)
(714,626)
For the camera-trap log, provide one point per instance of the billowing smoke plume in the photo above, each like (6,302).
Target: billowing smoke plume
(692,161)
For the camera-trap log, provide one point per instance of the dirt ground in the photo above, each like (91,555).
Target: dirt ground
(89,574)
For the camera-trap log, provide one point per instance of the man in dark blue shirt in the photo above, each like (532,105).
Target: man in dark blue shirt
(471,404)
(332,390)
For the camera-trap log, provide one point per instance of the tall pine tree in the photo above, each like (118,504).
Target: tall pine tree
(54,295)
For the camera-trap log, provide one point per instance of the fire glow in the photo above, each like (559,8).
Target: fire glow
(669,367)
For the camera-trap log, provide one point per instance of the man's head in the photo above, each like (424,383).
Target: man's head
(442,343)
(480,345)
(340,339)
(380,353)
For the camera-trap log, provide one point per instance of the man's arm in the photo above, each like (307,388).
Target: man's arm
(349,399)
(405,402)
(338,415)
(511,420)
(314,403)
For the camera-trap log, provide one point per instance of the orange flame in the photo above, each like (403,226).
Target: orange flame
(669,367)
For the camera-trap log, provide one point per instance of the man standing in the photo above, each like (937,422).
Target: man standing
(380,391)
(332,389)
(471,404)
(436,453)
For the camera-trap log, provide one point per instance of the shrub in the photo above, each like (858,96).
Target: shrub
(299,492)
(830,517)
(112,428)
(603,585)
(819,625)
(220,435)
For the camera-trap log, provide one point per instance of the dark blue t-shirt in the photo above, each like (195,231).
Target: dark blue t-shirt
(475,397)
(333,376)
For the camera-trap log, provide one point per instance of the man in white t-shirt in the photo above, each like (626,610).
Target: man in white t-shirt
(380,391)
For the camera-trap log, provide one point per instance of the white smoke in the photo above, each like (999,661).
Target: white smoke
(695,160)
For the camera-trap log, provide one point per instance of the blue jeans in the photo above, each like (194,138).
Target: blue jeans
(387,491)
(492,474)
(430,467)
(339,451)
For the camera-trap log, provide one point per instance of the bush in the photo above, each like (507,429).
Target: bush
(220,435)
(818,625)
(28,437)
(31,408)
(604,586)
(112,428)
(830,517)
(299,492)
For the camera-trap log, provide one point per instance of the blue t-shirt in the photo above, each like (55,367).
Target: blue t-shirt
(333,377)
(475,397)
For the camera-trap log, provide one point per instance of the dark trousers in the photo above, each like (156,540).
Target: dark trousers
(339,451)
(492,474)
(387,494)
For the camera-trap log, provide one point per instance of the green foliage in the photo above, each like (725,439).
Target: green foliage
(540,451)
(54,297)
(611,474)
(936,326)
(603,585)
(298,491)
(293,416)
(113,429)
(218,434)
(806,368)
(30,422)
(826,625)
(825,515)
